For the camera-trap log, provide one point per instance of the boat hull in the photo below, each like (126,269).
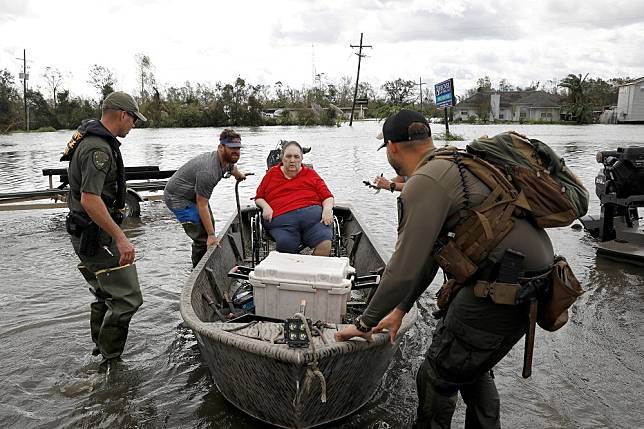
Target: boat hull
(286,387)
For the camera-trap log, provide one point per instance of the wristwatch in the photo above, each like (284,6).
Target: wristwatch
(392,186)
(359,324)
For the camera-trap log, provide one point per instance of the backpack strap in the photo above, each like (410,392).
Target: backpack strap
(475,231)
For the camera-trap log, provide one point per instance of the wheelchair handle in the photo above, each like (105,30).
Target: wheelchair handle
(239,216)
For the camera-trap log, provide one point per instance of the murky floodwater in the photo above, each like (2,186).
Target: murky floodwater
(589,374)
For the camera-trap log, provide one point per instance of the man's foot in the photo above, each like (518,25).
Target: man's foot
(109,364)
(96,351)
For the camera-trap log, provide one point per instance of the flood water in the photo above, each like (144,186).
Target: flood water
(588,374)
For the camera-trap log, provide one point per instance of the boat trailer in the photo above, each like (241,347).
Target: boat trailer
(147,179)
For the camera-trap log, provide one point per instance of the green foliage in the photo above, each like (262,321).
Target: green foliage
(400,92)
(241,103)
(449,137)
(578,102)
(9,103)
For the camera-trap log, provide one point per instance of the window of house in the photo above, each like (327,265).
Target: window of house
(522,115)
(500,115)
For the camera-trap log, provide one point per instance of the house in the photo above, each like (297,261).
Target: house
(630,102)
(510,106)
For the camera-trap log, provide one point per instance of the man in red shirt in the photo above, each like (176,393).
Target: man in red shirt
(297,206)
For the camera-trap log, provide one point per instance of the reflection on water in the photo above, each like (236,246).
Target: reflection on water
(587,374)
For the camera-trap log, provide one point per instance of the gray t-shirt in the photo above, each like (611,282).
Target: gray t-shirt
(196,177)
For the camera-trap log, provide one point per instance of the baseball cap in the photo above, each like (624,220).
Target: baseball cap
(396,127)
(121,101)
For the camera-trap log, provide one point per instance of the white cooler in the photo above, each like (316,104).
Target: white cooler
(282,280)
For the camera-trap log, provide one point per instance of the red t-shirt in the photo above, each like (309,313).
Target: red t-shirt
(285,195)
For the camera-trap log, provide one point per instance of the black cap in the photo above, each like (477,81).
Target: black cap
(396,127)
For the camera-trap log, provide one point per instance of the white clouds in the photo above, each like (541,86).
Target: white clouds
(201,41)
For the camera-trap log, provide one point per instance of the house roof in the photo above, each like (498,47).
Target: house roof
(512,98)
(474,101)
(539,99)
(634,81)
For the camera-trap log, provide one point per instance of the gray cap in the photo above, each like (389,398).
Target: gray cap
(121,101)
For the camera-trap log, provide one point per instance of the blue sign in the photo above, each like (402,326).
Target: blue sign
(444,93)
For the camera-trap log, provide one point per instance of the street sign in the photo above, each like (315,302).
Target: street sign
(362,101)
(444,93)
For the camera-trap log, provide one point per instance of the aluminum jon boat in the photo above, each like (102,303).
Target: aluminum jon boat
(259,364)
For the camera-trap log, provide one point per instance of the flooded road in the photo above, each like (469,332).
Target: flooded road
(588,374)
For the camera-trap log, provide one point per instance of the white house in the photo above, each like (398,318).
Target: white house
(510,106)
(630,102)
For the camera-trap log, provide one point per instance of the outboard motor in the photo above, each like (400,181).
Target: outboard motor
(620,188)
(623,172)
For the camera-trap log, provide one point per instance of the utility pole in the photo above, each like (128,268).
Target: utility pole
(25,77)
(355,93)
(420,89)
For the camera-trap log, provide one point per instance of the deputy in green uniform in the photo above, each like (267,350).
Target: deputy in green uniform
(475,333)
(96,203)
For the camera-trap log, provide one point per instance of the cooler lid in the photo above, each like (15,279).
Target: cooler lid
(294,268)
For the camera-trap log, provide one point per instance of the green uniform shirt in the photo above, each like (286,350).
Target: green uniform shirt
(430,196)
(92,169)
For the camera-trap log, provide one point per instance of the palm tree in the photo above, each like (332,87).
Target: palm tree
(578,102)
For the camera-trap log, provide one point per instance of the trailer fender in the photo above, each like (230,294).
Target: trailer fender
(132,203)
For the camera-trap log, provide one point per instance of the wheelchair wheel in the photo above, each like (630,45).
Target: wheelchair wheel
(336,241)
(259,244)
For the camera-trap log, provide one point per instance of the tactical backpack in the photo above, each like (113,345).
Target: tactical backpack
(555,196)
(527,178)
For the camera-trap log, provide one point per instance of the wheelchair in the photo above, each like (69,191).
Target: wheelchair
(262,243)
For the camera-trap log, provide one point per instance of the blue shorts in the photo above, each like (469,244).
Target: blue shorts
(187,214)
(301,226)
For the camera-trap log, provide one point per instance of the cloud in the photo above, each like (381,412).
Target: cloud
(309,26)
(11,10)
(472,22)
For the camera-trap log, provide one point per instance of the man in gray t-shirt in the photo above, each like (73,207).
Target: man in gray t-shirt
(189,189)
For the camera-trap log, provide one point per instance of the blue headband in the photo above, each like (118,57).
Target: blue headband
(231,142)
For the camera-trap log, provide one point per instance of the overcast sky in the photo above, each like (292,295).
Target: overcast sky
(268,41)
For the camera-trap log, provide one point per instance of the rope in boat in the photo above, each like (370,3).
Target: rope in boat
(319,332)
(239,328)
(312,369)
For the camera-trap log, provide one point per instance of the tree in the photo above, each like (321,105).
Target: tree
(551,86)
(577,101)
(505,86)
(40,114)
(400,92)
(484,84)
(102,79)
(8,102)
(54,79)
(145,75)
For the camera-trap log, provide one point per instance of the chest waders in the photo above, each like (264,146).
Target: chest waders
(116,288)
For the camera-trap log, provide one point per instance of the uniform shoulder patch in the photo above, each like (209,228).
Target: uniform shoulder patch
(101,160)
